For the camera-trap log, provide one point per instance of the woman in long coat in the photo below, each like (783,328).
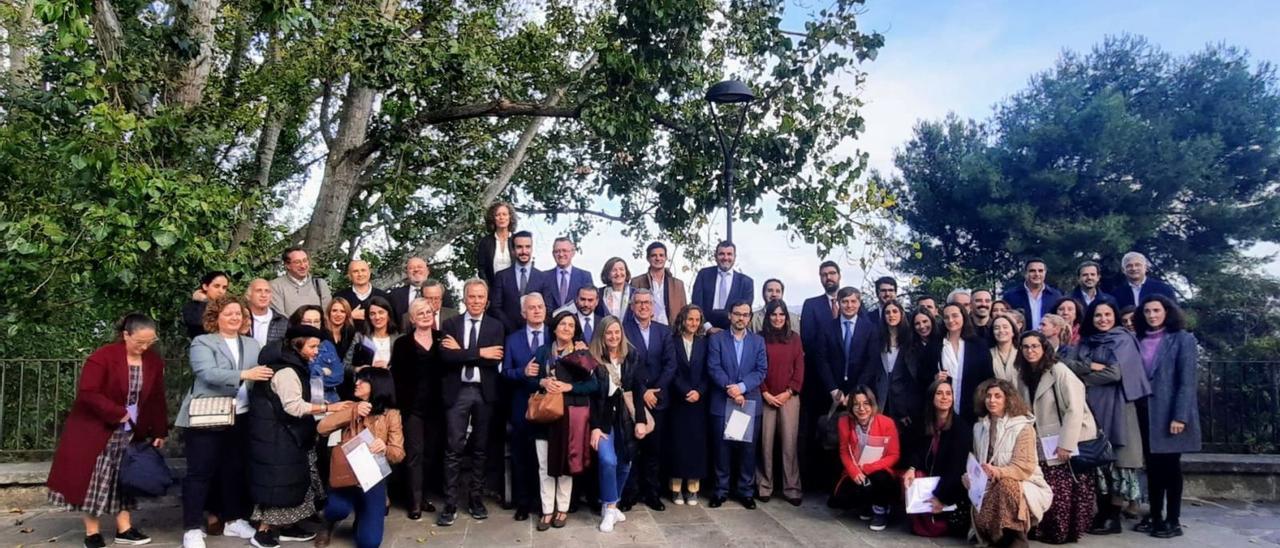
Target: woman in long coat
(686,428)
(120,399)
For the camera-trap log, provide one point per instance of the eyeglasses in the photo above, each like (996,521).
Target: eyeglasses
(740,314)
(1032,347)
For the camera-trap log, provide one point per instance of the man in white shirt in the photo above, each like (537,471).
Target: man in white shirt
(266,325)
(297,287)
(669,297)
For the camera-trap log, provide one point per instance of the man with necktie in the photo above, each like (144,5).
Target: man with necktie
(519,353)
(563,282)
(717,286)
(816,315)
(518,280)
(472,352)
(656,354)
(844,361)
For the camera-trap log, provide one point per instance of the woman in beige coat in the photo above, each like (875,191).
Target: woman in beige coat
(1004,444)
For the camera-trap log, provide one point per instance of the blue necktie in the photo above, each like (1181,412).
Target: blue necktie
(536,342)
(586,328)
(848,335)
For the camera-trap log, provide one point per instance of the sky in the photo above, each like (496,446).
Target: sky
(948,56)
(962,57)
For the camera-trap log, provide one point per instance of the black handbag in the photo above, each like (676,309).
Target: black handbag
(143,472)
(829,428)
(1090,454)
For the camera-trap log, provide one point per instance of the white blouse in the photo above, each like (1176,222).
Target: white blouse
(501,255)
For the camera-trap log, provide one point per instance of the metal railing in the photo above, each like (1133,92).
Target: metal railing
(1239,404)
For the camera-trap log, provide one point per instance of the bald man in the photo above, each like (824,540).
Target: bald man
(266,325)
(361,291)
(416,272)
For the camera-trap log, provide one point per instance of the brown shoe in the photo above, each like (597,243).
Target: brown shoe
(324,535)
(214,526)
(544,523)
(560,520)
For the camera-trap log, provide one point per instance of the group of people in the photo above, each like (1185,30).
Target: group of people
(634,391)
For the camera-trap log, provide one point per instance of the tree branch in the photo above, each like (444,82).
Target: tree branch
(326,132)
(498,108)
(575,211)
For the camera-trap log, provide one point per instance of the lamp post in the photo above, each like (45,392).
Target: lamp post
(729,92)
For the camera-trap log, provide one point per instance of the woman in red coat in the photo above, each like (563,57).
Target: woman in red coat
(868,452)
(120,398)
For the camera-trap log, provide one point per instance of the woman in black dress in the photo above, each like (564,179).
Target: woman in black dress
(686,428)
(415,368)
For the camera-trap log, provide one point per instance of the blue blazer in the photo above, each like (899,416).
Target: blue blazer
(1019,300)
(725,369)
(516,354)
(1124,294)
(1103,296)
(843,370)
(578,278)
(658,359)
(704,294)
(504,296)
(1173,395)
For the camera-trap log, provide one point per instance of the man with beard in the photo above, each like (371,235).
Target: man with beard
(886,292)
(416,272)
(717,286)
(518,280)
(816,315)
(980,313)
(1088,276)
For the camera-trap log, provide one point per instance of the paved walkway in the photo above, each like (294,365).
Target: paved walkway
(1207,524)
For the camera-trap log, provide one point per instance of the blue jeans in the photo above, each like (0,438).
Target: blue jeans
(370,510)
(613,474)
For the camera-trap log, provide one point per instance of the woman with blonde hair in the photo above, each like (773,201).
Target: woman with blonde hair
(617,423)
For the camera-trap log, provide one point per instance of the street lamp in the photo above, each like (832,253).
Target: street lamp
(729,92)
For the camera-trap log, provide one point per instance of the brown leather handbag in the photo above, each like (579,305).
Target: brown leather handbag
(340,473)
(544,408)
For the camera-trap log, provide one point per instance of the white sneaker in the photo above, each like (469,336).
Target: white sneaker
(238,528)
(692,499)
(608,520)
(193,538)
(618,515)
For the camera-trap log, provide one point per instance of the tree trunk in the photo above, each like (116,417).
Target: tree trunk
(266,156)
(199,25)
(18,38)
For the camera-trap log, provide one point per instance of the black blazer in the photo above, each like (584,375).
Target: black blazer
(948,463)
(416,374)
(355,303)
(484,255)
(691,370)
(839,371)
(491,334)
(977,369)
(907,384)
(399,298)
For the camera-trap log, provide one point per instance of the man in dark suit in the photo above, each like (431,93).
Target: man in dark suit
(361,291)
(816,317)
(416,273)
(587,308)
(850,349)
(433,292)
(562,282)
(737,364)
(717,286)
(1034,297)
(886,292)
(521,278)
(1138,285)
(656,353)
(517,356)
(471,351)
(1088,276)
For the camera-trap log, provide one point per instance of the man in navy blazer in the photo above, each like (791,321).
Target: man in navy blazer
(655,352)
(816,315)
(511,283)
(1034,297)
(516,357)
(716,286)
(737,365)
(560,284)
(850,351)
(1138,285)
(1088,276)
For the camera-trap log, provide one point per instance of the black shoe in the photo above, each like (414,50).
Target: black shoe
(94,541)
(747,502)
(794,501)
(573,507)
(478,511)
(626,505)
(522,515)
(428,507)
(448,516)
(1109,526)
(543,525)
(1167,529)
(834,503)
(265,539)
(293,533)
(415,515)
(655,503)
(716,502)
(1144,526)
(132,537)
(764,498)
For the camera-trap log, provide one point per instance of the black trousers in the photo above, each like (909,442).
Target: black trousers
(1164,472)
(882,490)
(215,471)
(468,409)
(646,468)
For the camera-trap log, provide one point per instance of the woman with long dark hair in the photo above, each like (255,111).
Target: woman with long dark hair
(898,379)
(780,390)
(946,441)
(496,248)
(119,400)
(687,416)
(1170,418)
(964,358)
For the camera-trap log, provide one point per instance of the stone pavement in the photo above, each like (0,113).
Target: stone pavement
(1218,524)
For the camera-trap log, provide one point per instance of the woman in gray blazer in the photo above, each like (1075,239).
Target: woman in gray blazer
(1170,418)
(224,363)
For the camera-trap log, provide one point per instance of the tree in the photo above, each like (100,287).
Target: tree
(147,142)
(1126,148)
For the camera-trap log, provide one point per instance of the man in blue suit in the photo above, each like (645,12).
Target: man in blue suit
(816,315)
(717,286)
(1088,276)
(656,354)
(1034,297)
(850,350)
(560,285)
(509,284)
(737,364)
(517,359)
(1139,285)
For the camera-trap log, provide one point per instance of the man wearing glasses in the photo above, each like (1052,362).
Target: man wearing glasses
(737,364)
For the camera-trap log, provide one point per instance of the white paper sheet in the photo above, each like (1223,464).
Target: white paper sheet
(977,482)
(1050,446)
(735,429)
(368,467)
(919,494)
(870,454)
